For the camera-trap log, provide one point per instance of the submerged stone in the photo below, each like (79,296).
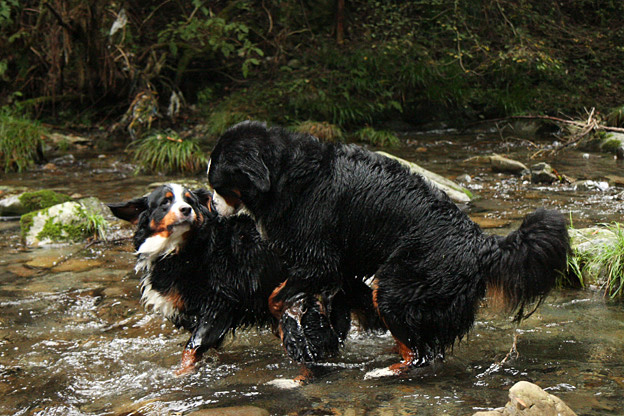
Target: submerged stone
(232,411)
(543,173)
(505,165)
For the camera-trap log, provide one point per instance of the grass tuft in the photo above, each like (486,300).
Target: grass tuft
(166,152)
(604,262)
(377,137)
(321,129)
(21,141)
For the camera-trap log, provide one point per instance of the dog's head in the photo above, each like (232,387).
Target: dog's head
(238,169)
(165,217)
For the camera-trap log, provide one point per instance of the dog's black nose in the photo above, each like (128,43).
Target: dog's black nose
(186,211)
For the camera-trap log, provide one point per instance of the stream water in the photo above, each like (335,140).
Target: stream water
(74,339)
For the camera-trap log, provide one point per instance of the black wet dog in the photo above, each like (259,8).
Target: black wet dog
(338,214)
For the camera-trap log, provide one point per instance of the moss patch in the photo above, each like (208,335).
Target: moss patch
(66,222)
(37,200)
(611,145)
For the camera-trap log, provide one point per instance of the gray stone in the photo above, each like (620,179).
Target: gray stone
(589,185)
(11,205)
(505,165)
(528,399)
(543,173)
(456,192)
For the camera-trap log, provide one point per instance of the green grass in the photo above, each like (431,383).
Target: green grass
(604,262)
(21,141)
(377,137)
(166,152)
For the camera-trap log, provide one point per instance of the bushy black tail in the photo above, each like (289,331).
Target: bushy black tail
(524,266)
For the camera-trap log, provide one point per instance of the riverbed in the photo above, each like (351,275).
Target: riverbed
(74,339)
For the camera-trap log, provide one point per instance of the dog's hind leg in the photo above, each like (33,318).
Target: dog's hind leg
(427,300)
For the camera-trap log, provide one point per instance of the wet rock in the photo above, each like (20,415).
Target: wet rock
(77,265)
(232,411)
(589,185)
(67,222)
(487,223)
(456,192)
(66,140)
(505,165)
(11,206)
(612,142)
(543,173)
(24,202)
(465,178)
(615,180)
(528,399)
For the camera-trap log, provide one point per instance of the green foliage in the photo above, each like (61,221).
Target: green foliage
(220,120)
(43,198)
(615,118)
(611,262)
(21,142)
(166,152)
(202,33)
(96,224)
(377,137)
(322,130)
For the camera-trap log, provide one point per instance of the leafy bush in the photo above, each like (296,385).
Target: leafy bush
(166,152)
(21,142)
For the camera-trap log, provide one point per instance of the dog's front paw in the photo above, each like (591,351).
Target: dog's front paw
(188,364)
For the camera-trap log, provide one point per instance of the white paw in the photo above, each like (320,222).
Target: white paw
(284,384)
(378,373)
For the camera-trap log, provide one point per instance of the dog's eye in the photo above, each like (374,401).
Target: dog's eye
(165,202)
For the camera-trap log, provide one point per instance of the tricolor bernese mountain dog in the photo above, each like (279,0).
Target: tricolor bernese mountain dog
(338,214)
(205,273)
(212,275)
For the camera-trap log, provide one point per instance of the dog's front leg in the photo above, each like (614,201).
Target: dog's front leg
(209,333)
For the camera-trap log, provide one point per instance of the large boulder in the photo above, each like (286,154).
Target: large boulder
(63,223)
(528,399)
(456,192)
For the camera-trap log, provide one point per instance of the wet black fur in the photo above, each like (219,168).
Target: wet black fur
(224,272)
(339,213)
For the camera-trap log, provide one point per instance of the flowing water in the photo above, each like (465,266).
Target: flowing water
(75,341)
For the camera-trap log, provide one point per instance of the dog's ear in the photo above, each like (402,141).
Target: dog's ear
(256,171)
(203,196)
(130,210)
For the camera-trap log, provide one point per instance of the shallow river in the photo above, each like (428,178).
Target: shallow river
(75,341)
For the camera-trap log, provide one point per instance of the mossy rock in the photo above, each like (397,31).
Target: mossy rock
(456,192)
(64,223)
(612,142)
(36,200)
